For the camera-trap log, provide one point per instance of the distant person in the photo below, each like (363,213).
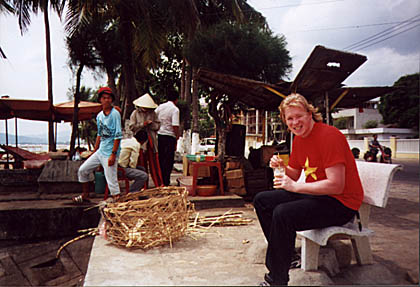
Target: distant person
(107,148)
(374,147)
(128,160)
(331,194)
(144,124)
(168,134)
(144,120)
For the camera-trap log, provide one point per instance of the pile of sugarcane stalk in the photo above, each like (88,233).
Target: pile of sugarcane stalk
(199,225)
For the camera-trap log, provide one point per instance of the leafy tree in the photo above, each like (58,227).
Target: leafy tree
(142,26)
(401,106)
(242,50)
(81,53)
(87,130)
(206,123)
(370,124)
(340,123)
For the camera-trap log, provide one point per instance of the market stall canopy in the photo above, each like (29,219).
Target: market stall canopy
(87,110)
(40,110)
(325,69)
(351,97)
(250,92)
(321,75)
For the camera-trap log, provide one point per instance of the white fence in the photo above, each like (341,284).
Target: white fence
(360,144)
(404,147)
(408,146)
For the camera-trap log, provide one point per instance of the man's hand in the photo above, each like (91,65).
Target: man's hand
(111,160)
(276,161)
(284,182)
(146,123)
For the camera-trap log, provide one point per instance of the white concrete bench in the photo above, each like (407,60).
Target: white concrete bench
(376,181)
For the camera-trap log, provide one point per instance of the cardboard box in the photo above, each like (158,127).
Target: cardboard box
(236,182)
(235,173)
(232,165)
(238,191)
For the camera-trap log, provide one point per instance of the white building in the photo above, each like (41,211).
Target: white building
(356,119)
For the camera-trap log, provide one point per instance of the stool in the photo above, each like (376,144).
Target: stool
(121,176)
(196,165)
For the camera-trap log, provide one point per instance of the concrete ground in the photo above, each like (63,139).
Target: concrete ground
(235,255)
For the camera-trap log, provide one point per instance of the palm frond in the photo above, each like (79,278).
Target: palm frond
(23,11)
(2,54)
(6,7)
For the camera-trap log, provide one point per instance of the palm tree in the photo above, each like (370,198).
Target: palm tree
(23,9)
(82,54)
(86,129)
(212,13)
(143,27)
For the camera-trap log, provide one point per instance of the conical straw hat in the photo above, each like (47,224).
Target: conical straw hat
(145,101)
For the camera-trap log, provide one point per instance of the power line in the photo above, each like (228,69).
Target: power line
(408,29)
(383,33)
(304,4)
(351,27)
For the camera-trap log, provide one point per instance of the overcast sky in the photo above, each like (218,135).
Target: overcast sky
(336,24)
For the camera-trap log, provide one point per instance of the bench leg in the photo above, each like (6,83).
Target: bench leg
(362,250)
(310,252)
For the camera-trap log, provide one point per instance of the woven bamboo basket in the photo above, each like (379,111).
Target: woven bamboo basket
(148,218)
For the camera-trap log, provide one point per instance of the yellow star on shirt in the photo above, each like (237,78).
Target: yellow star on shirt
(310,170)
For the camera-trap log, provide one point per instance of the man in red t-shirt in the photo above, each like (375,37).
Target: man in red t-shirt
(331,194)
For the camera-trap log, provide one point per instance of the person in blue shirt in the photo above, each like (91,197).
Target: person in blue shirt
(107,147)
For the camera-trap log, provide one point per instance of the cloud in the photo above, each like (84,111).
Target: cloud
(339,24)
(384,67)
(24,74)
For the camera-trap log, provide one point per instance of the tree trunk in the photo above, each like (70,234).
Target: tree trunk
(188,78)
(220,129)
(51,142)
(194,102)
(76,111)
(128,66)
(221,144)
(183,80)
(111,83)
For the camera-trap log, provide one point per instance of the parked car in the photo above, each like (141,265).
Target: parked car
(207,146)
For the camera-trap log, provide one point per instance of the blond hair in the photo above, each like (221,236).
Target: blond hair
(299,101)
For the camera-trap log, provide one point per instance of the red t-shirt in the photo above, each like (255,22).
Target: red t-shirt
(325,147)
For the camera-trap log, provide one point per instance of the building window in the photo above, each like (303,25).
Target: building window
(276,130)
(350,123)
(254,122)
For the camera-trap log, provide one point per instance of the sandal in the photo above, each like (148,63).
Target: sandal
(80,200)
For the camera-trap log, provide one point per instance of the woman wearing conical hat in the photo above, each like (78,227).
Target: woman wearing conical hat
(144,120)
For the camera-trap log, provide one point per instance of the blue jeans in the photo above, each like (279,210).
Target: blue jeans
(281,213)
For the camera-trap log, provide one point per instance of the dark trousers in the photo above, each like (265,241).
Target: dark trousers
(166,148)
(282,213)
